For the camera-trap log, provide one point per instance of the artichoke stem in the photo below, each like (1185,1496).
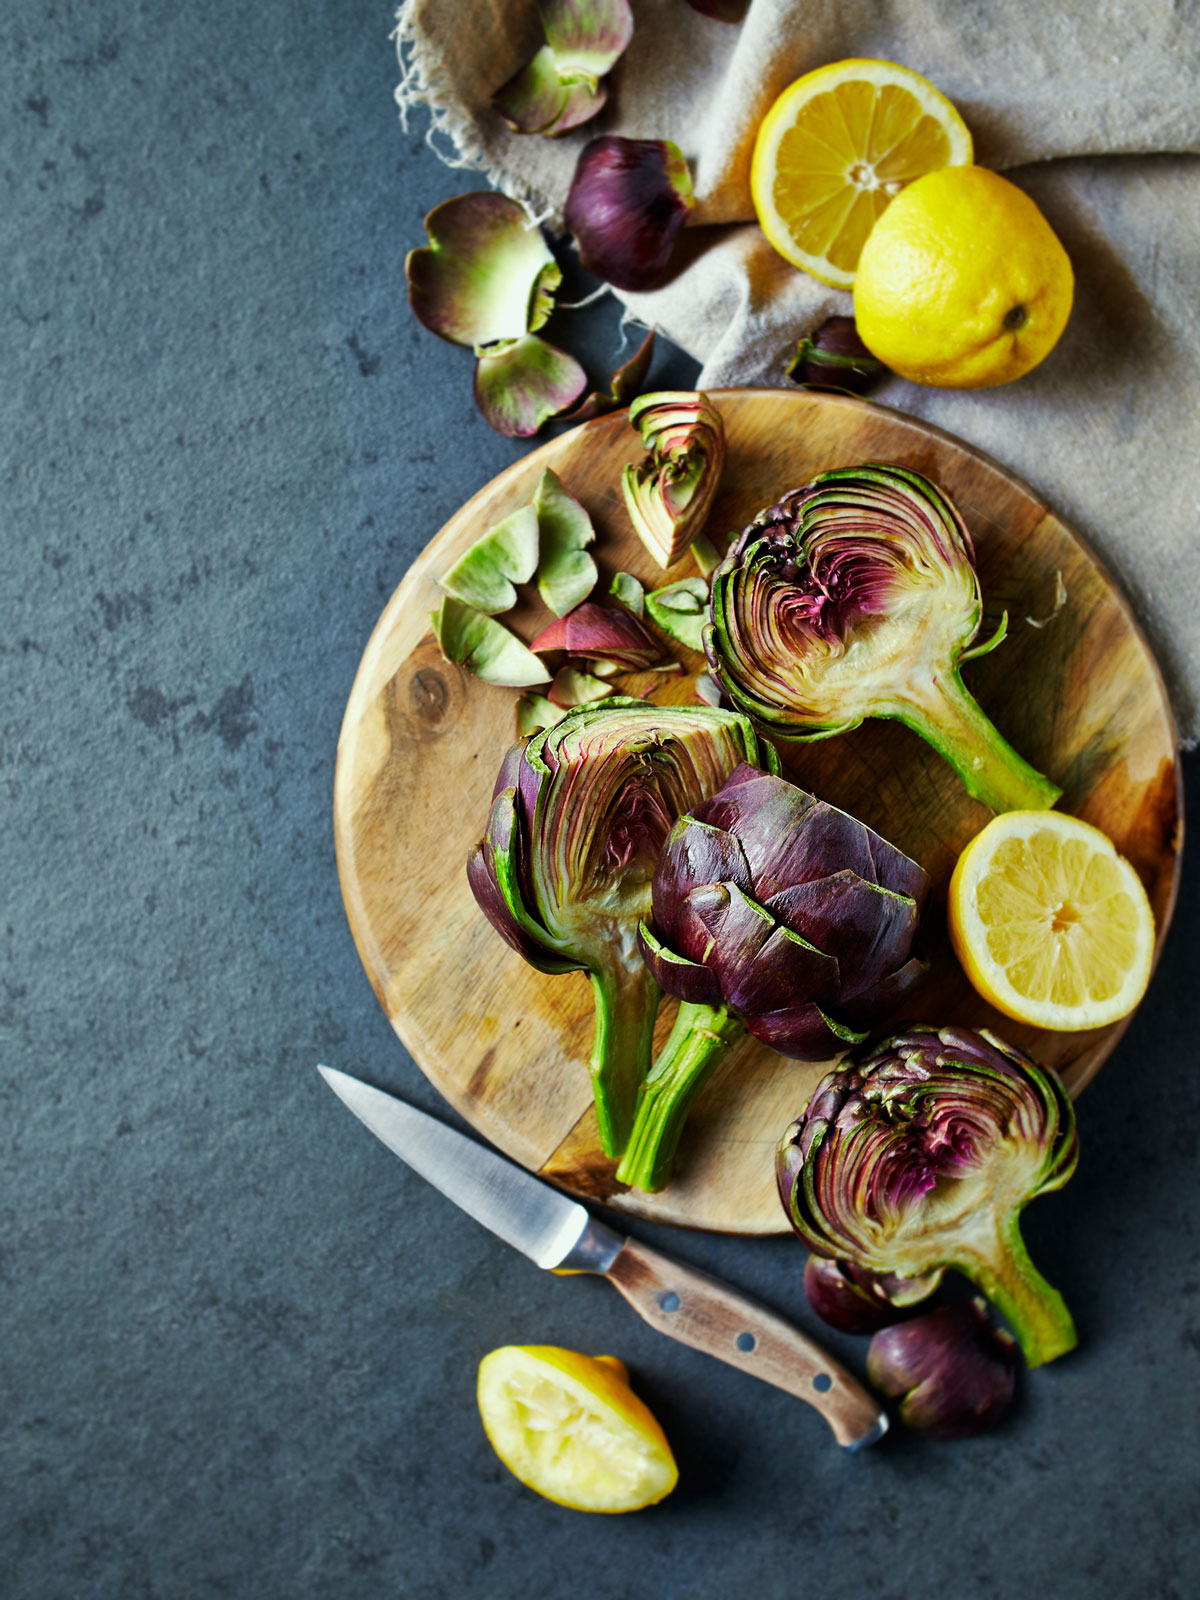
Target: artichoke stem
(991,770)
(696,1044)
(1035,1311)
(626,1000)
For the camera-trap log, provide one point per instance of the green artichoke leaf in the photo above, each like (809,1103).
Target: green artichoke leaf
(534,713)
(485,647)
(522,384)
(628,592)
(566,573)
(485,575)
(681,611)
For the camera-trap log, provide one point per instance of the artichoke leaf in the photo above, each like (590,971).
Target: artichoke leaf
(566,574)
(484,576)
(522,384)
(485,647)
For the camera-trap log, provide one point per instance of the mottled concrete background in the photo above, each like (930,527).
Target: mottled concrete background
(238,1339)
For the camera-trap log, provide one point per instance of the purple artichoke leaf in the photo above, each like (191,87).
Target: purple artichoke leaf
(487,275)
(534,713)
(625,385)
(485,647)
(572,687)
(867,1008)
(803,1032)
(583,102)
(920,1155)
(857,597)
(534,97)
(953,1373)
(783,966)
(693,856)
(587,37)
(628,200)
(566,573)
(855,1301)
(708,690)
(675,974)
(681,610)
(519,386)
(898,872)
(628,592)
(602,633)
(868,929)
(485,575)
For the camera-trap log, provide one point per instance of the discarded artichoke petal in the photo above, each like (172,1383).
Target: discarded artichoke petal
(571,687)
(628,592)
(484,646)
(507,554)
(487,274)
(628,200)
(625,385)
(953,1373)
(520,386)
(533,98)
(566,574)
(535,712)
(602,633)
(681,611)
(587,37)
(834,357)
(920,1155)
(669,493)
(856,596)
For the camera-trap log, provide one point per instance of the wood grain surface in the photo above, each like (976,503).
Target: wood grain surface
(1074,688)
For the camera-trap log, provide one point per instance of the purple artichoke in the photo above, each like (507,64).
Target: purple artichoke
(579,815)
(779,914)
(856,596)
(921,1156)
(953,1373)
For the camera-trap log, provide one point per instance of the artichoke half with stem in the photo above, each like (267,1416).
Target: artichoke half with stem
(922,1155)
(563,872)
(856,596)
(777,914)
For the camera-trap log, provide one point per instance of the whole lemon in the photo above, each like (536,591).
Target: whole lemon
(962,282)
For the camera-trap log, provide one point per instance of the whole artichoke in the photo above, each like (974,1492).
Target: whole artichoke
(921,1156)
(779,914)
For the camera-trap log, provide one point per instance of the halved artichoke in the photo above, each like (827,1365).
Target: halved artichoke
(563,872)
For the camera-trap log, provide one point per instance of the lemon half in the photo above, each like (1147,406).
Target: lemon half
(1051,925)
(570,1427)
(836,148)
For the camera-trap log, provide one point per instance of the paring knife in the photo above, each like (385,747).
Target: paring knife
(561,1235)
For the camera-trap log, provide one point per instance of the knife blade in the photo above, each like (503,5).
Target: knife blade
(561,1235)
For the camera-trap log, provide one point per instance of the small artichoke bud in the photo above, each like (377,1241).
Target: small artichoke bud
(953,1373)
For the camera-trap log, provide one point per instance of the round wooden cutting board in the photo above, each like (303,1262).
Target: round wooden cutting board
(1074,688)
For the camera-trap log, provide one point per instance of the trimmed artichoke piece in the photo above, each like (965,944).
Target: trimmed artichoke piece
(856,596)
(564,869)
(485,647)
(669,493)
(776,913)
(953,1373)
(571,687)
(487,274)
(628,592)
(628,200)
(922,1155)
(485,575)
(535,712)
(681,611)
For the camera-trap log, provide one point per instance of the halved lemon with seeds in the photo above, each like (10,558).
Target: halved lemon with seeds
(836,148)
(1051,925)
(569,1426)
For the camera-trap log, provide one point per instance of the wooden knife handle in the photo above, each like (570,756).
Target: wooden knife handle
(708,1315)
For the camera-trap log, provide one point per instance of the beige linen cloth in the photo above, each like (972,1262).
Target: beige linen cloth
(1091,106)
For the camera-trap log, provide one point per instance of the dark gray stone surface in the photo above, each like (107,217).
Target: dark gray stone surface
(238,1339)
